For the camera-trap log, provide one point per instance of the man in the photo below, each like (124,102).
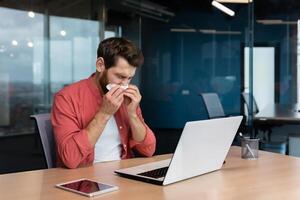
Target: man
(93,124)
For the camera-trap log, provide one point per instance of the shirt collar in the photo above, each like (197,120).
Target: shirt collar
(93,87)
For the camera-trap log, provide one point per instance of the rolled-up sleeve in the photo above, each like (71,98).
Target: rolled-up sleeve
(72,142)
(148,145)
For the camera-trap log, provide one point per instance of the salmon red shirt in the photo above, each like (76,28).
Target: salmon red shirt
(73,108)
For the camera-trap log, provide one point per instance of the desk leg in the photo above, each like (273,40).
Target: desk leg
(269,135)
(255,132)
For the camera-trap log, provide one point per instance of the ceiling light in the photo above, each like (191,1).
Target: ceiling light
(31,14)
(30,44)
(217,32)
(234,1)
(276,22)
(207,31)
(228,32)
(223,8)
(63,33)
(14,43)
(185,30)
(2,49)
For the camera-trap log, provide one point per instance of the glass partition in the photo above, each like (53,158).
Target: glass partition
(40,53)
(275,68)
(21,60)
(69,37)
(189,47)
(195,49)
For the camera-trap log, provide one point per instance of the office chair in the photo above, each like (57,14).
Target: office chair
(246,98)
(44,128)
(215,109)
(213,105)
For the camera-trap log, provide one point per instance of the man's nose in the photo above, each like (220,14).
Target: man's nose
(125,82)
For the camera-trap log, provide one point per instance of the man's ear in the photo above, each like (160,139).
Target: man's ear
(100,65)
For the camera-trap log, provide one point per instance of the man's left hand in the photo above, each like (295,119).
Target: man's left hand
(132,99)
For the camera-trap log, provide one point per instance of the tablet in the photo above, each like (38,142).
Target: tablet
(87,187)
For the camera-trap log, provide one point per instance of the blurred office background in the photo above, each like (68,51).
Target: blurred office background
(190,47)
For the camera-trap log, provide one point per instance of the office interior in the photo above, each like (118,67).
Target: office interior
(190,48)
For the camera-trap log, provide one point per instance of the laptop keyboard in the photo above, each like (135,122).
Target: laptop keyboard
(156,173)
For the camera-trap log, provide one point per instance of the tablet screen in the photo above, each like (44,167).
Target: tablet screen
(86,186)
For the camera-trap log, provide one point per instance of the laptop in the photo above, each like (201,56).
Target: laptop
(202,148)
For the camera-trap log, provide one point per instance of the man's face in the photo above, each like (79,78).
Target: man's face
(120,74)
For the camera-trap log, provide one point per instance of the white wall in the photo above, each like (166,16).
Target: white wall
(263,74)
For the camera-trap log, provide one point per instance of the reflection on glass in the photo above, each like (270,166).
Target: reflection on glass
(77,41)
(23,63)
(19,61)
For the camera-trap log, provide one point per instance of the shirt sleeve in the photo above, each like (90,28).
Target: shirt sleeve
(72,143)
(148,145)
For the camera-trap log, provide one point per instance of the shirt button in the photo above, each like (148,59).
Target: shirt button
(125,146)
(120,127)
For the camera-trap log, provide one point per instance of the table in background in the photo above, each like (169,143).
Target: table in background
(276,115)
(279,114)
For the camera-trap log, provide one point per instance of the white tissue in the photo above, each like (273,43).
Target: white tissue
(111,85)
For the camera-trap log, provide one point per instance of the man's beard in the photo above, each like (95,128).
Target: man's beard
(103,81)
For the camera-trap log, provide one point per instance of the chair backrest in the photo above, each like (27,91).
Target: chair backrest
(213,105)
(246,98)
(44,128)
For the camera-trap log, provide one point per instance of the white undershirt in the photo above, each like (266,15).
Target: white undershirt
(108,146)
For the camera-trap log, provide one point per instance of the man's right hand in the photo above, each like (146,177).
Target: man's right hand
(112,101)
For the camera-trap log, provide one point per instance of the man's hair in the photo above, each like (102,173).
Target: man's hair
(112,48)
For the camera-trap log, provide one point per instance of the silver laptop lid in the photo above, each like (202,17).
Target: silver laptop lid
(202,148)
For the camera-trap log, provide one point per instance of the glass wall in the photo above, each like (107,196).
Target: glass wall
(190,48)
(69,37)
(276,28)
(40,53)
(21,60)
(196,49)
(46,46)
(276,69)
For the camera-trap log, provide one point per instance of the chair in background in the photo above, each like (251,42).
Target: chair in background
(246,98)
(213,105)
(215,109)
(44,128)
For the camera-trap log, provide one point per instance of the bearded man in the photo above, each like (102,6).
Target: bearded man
(99,119)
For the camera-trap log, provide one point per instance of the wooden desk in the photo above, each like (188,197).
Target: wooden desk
(272,176)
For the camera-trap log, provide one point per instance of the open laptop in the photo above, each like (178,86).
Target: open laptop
(202,148)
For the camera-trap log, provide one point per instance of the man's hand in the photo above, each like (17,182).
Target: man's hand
(112,101)
(132,99)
